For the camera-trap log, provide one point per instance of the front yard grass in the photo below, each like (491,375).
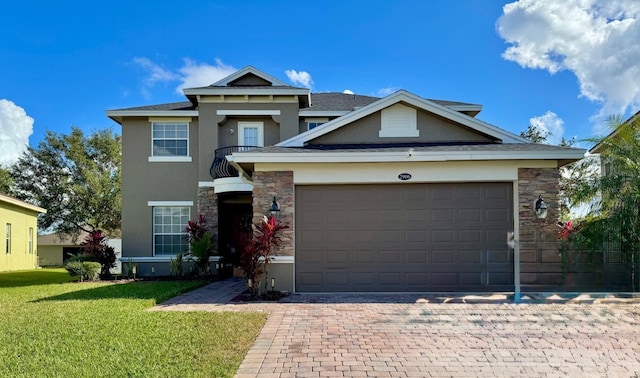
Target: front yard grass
(50,327)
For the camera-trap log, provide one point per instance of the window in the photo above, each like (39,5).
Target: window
(30,240)
(169,223)
(399,121)
(8,238)
(170,138)
(312,123)
(251,134)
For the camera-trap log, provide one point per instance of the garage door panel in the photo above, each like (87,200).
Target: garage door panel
(407,237)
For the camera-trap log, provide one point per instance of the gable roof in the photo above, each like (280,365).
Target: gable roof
(411,99)
(22,204)
(245,71)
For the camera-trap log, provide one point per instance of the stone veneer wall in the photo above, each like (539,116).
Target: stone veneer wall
(279,184)
(208,206)
(540,260)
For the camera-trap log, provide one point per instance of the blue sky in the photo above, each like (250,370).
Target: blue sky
(560,65)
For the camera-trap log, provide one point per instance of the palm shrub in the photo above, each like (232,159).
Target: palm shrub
(201,245)
(258,253)
(175,266)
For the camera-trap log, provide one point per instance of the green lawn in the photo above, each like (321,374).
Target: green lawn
(50,327)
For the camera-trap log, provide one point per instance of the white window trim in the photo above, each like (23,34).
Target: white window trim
(30,240)
(315,120)
(169,203)
(245,125)
(164,204)
(387,129)
(170,159)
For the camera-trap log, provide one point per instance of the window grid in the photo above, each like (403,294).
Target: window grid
(169,223)
(251,136)
(170,138)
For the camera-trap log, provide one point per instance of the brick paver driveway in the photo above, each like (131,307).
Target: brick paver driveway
(399,336)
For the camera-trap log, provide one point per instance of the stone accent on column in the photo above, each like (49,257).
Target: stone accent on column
(208,206)
(540,260)
(279,184)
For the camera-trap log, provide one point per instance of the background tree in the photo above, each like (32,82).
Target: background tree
(76,178)
(535,134)
(5,180)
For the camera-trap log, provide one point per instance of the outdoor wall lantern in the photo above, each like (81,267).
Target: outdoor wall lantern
(275,209)
(541,208)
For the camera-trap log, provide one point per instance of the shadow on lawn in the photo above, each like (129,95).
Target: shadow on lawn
(34,277)
(157,290)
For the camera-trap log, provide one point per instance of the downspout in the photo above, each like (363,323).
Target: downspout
(514,243)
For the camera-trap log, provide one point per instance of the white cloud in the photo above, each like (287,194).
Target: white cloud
(594,39)
(302,78)
(191,74)
(194,74)
(551,125)
(15,128)
(383,92)
(348,91)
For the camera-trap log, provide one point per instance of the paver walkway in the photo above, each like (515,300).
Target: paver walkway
(407,335)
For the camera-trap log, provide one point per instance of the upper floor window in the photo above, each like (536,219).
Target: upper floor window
(251,134)
(312,123)
(170,139)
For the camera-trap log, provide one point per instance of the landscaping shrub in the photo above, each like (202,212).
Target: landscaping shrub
(202,245)
(86,270)
(176,266)
(96,247)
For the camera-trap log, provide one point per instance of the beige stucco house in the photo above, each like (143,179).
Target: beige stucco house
(18,232)
(393,194)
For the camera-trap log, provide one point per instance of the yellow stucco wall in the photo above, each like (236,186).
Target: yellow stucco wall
(21,220)
(50,255)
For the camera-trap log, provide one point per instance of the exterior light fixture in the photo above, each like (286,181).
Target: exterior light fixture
(541,208)
(275,209)
(273,283)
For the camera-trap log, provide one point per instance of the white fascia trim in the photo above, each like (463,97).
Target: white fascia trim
(232,184)
(154,259)
(152,113)
(402,156)
(409,98)
(169,203)
(25,205)
(245,91)
(249,69)
(322,113)
(169,159)
(249,112)
(205,184)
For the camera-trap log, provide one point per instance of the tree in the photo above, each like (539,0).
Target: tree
(76,178)
(535,134)
(96,248)
(614,196)
(5,180)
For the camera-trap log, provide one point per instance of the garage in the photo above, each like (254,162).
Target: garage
(403,237)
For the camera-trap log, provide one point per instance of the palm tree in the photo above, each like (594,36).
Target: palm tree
(613,193)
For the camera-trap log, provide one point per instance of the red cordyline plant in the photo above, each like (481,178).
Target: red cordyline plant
(267,238)
(201,243)
(96,248)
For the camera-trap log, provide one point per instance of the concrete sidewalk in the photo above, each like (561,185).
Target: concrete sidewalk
(411,335)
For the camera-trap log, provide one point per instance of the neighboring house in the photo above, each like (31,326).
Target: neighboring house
(18,232)
(54,249)
(390,194)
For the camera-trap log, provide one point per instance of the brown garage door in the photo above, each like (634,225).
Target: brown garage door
(400,238)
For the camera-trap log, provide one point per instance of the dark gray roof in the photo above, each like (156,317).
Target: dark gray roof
(515,147)
(184,105)
(339,101)
(348,102)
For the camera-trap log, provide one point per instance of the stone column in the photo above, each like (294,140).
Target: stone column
(208,206)
(540,260)
(279,184)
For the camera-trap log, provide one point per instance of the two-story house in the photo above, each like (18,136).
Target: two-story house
(399,193)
